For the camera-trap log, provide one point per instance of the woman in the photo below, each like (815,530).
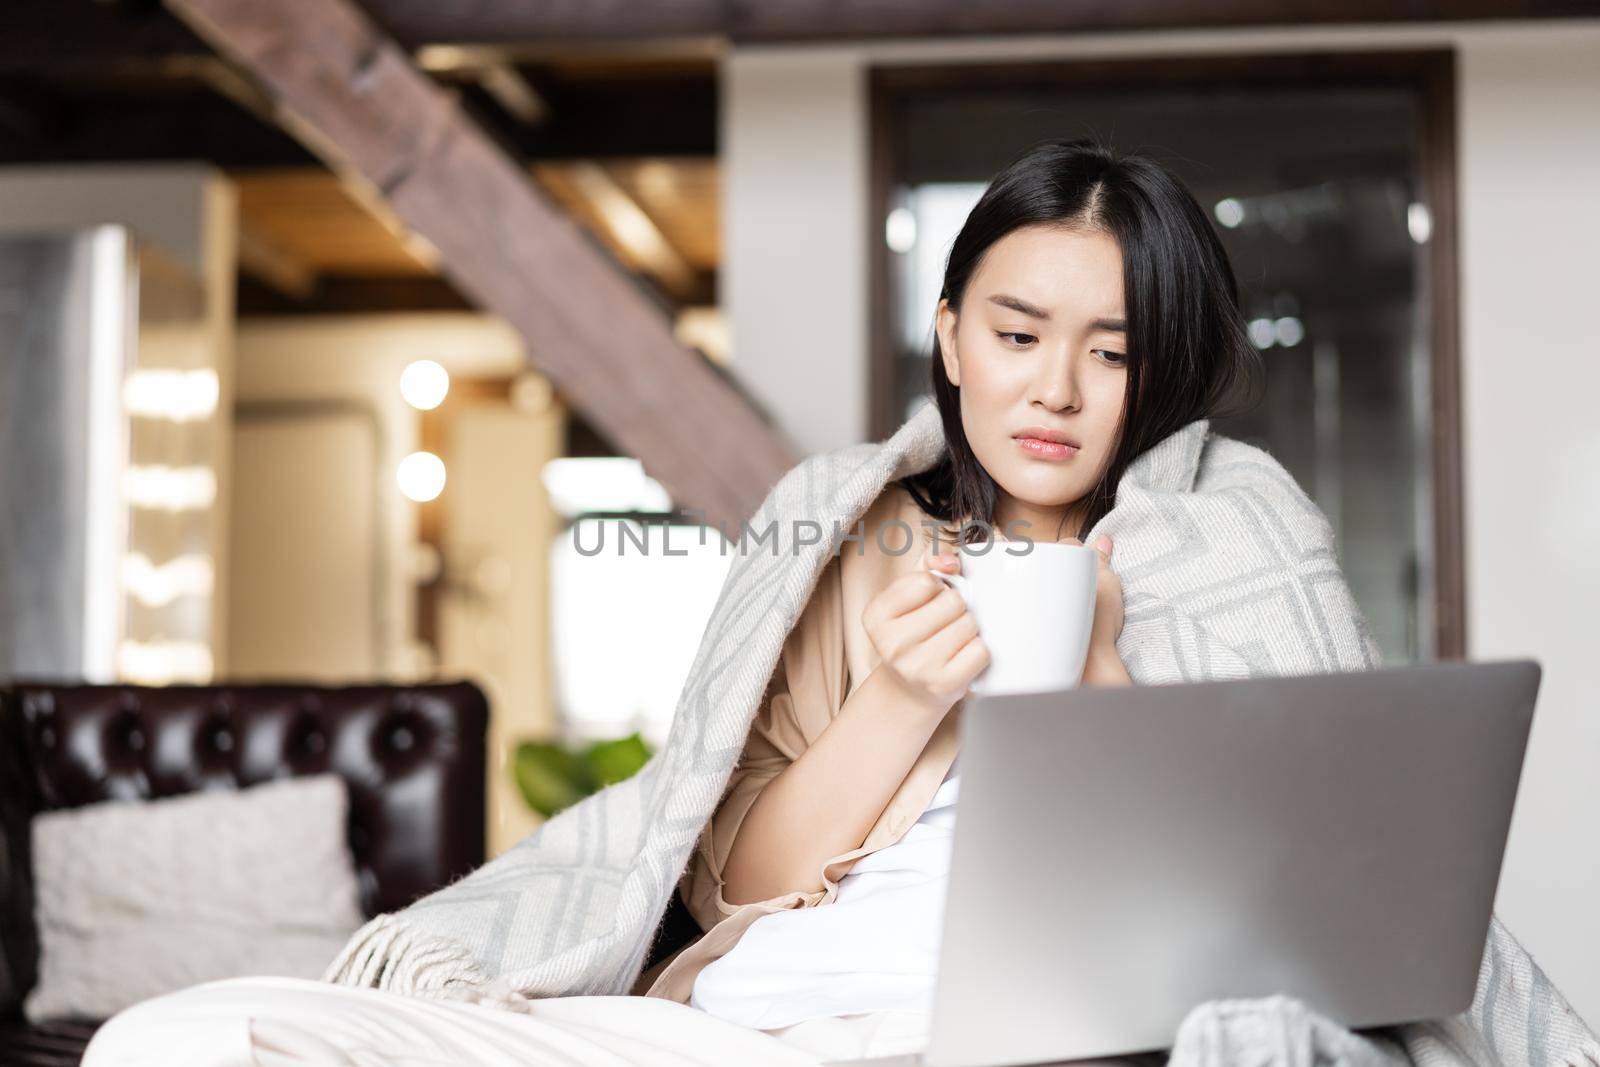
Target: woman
(1088,311)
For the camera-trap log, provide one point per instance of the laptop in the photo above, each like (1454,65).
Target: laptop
(1122,855)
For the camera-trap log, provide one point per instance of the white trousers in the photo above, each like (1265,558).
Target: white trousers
(270,1022)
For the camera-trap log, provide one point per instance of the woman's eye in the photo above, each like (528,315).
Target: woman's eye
(1019,340)
(1116,359)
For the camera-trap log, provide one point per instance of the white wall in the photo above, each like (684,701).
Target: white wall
(1530,198)
(796,180)
(794,142)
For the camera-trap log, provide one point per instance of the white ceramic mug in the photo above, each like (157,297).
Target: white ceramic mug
(1034,606)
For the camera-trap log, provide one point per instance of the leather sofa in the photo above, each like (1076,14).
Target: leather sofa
(413,757)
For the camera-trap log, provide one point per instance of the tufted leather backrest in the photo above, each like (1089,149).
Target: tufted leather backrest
(412,757)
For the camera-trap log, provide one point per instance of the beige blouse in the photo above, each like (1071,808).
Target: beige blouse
(826,656)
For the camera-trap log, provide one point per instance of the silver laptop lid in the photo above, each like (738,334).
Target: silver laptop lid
(1123,855)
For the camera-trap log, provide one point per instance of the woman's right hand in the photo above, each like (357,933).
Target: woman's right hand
(925,636)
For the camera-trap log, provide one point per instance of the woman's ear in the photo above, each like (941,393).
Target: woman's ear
(945,326)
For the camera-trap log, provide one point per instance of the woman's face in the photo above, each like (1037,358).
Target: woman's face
(1040,345)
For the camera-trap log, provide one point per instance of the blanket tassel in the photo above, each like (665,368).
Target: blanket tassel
(387,954)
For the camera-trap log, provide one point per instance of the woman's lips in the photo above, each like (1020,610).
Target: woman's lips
(1043,449)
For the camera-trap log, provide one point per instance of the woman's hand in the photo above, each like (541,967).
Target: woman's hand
(1107,599)
(1104,666)
(925,635)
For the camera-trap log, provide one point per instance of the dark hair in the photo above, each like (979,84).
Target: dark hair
(1189,354)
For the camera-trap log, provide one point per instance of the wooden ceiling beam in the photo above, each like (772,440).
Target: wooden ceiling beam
(264,261)
(358,100)
(84,34)
(592,195)
(512,92)
(622,22)
(625,22)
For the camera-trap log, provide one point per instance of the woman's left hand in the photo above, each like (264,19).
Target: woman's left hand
(1107,598)
(1103,665)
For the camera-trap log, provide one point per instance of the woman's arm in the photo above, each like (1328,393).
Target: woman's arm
(826,801)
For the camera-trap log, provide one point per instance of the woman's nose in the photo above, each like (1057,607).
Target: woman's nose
(1056,386)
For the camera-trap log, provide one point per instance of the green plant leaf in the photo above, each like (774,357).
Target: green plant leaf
(551,777)
(610,762)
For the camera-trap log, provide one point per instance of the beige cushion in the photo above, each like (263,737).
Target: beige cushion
(138,899)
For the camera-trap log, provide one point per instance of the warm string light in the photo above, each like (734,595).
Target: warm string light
(421,476)
(161,662)
(158,487)
(424,384)
(157,586)
(174,395)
